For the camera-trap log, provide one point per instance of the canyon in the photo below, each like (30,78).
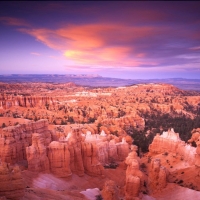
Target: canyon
(64,141)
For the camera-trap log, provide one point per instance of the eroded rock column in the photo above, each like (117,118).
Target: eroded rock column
(59,159)
(109,191)
(157,176)
(134,177)
(11,183)
(37,154)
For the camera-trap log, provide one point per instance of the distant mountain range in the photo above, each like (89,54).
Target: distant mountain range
(95,80)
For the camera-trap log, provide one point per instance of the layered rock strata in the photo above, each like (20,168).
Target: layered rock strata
(196,139)
(157,179)
(123,122)
(59,159)
(11,183)
(91,162)
(15,139)
(170,142)
(74,140)
(75,153)
(109,191)
(37,154)
(134,177)
(197,156)
(23,101)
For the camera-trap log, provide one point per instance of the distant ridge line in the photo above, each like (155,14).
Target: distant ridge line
(94,80)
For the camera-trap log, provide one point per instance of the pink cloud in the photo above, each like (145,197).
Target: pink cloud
(95,45)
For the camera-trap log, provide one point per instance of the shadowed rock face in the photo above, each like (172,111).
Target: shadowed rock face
(11,183)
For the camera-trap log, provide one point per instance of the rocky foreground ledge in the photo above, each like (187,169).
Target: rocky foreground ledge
(40,163)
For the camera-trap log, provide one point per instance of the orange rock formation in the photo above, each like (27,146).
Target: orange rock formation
(109,191)
(11,183)
(134,177)
(157,179)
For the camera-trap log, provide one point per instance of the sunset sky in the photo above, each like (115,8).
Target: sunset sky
(112,39)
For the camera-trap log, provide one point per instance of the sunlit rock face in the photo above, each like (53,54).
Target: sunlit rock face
(132,187)
(73,152)
(197,157)
(171,143)
(122,149)
(30,101)
(134,177)
(195,135)
(196,138)
(74,141)
(37,154)
(132,156)
(181,160)
(91,162)
(15,139)
(98,150)
(11,183)
(109,191)
(59,159)
(108,150)
(121,123)
(157,179)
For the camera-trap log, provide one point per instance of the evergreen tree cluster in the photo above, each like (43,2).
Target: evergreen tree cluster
(157,123)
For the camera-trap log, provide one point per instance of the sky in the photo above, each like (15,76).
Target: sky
(133,40)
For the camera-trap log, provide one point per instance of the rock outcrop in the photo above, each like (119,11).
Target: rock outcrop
(196,139)
(59,159)
(74,140)
(91,162)
(11,183)
(15,139)
(195,135)
(197,156)
(171,143)
(157,179)
(37,154)
(119,124)
(134,177)
(180,159)
(73,152)
(7,102)
(109,191)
